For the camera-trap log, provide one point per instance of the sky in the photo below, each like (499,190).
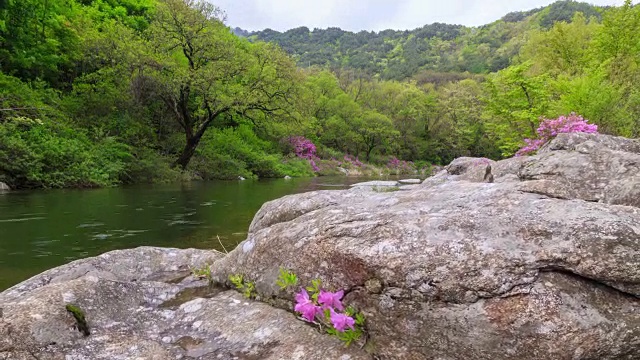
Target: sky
(376,15)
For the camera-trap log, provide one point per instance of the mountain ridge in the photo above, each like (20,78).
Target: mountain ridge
(437,47)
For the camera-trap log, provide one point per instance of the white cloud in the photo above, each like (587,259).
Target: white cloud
(376,15)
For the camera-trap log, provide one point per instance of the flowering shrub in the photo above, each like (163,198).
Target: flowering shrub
(329,167)
(401,167)
(326,307)
(550,128)
(305,149)
(393,163)
(314,165)
(350,160)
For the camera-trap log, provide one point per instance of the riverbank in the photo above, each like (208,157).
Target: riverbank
(40,155)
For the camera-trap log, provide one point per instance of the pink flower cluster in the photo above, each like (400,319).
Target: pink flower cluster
(403,166)
(305,149)
(550,128)
(326,301)
(348,159)
(393,162)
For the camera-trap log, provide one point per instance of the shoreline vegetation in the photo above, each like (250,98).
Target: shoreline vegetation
(98,93)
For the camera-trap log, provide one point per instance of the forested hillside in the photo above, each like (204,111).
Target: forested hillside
(434,48)
(106,92)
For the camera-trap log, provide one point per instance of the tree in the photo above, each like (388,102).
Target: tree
(336,125)
(515,102)
(565,10)
(205,74)
(37,40)
(407,106)
(565,48)
(374,130)
(619,44)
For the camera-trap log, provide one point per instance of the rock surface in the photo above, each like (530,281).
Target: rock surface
(4,187)
(409,187)
(376,184)
(410,181)
(142,304)
(544,263)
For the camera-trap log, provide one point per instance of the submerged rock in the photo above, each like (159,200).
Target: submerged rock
(143,304)
(543,263)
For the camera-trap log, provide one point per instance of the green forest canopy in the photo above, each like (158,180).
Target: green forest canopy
(104,92)
(398,55)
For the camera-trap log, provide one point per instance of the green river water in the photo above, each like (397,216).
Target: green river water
(43,229)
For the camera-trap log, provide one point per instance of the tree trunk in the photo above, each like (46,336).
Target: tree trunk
(369,150)
(187,152)
(193,139)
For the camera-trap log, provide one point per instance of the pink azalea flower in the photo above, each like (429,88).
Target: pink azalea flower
(305,149)
(331,300)
(305,306)
(550,128)
(341,321)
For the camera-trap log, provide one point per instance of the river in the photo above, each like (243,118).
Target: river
(44,229)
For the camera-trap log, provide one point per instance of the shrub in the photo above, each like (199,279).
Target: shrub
(350,162)
(329,168)
(325,152)
(229,153)
(37,154)
(295,168)
(550,128)
(147,166)
(219,166)
(398,167)
(305,149)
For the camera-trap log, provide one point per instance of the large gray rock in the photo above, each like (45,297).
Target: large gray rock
(464,269)
(142,304)
(588,167)
(4,187)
